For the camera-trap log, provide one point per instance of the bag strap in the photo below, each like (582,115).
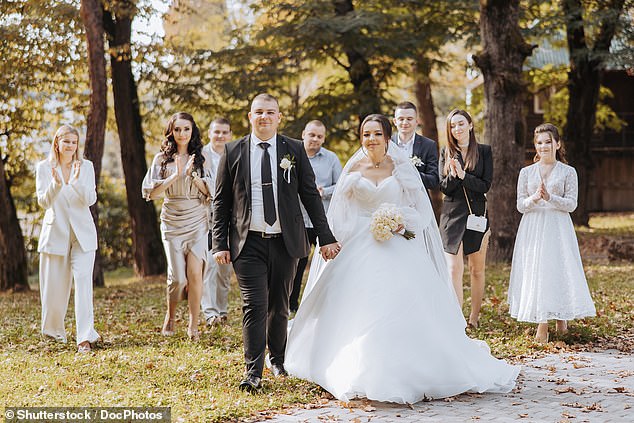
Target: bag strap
(469,202)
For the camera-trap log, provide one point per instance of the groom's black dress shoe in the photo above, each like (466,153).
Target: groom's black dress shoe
(250,384)
(278,370)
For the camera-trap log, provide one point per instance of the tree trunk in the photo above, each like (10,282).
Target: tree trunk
(13,269)
(503,54)
(584,80)
(92,18)
(359,69)
(427,116)
(149,257)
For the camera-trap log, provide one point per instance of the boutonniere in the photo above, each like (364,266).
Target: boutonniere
(416,161)
(287,164)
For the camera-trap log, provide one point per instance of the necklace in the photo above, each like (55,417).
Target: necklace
(377,164)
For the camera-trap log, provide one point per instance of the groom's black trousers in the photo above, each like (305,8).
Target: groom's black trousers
(265,271)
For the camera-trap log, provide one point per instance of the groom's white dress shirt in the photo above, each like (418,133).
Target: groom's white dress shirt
(257,201)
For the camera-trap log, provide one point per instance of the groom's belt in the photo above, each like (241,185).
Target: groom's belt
(265,235)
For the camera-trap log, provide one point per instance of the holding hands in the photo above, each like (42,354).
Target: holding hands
(330,251)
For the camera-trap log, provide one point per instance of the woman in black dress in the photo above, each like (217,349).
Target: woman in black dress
(466,171)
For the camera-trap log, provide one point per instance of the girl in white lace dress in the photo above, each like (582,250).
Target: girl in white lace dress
(547,278)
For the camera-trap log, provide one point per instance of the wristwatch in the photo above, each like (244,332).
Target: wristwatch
(195,174)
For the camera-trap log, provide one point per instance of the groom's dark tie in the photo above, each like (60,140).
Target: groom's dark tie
(267,185)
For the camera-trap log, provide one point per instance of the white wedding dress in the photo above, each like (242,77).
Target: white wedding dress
(547,279)
(382,321)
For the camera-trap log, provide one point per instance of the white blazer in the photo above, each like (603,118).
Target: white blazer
(67,206)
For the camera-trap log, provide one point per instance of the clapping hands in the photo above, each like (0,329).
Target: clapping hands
(56,177)
(330,251)
(75,170)
(184,168)
(542,192)
(455,168)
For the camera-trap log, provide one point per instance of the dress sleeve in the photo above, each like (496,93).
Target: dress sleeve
(567,202)
(152,178)
(524,198)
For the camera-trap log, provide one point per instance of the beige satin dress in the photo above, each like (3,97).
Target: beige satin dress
(184,221)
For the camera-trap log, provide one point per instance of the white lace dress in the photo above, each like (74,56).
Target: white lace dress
(547,278)
(379,321)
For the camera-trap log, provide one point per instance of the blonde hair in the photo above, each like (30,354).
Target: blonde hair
(53,155)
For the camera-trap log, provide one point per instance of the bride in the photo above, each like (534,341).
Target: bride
(382,320)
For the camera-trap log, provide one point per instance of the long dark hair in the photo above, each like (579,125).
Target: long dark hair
(169,148)
(549,128)
(452,144)
(386,127)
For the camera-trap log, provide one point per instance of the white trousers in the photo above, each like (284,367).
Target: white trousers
(216,282)
(56,277)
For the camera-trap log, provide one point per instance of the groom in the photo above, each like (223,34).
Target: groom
(258,225)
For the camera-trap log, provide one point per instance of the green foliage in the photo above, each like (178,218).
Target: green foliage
(115,233)
(301,52)
(552,81)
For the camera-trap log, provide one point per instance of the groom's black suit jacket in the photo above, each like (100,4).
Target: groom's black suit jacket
(232,201)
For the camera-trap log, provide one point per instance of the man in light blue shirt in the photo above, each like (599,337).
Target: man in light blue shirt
(327,169)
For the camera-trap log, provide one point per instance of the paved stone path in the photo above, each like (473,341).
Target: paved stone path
(565,387)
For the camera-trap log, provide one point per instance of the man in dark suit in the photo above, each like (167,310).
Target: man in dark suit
(422,150)
(258,225)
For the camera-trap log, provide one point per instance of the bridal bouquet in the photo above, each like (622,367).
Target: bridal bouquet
(386,220)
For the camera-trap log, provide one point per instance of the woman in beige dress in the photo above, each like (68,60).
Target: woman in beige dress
(181,174)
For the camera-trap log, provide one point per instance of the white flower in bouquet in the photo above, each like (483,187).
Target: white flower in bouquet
(386,220)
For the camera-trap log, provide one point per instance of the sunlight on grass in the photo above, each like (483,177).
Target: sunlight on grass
(136,366)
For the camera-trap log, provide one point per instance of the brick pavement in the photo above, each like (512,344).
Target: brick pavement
(566,387)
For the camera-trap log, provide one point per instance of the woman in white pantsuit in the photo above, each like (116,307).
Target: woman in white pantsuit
(65,186)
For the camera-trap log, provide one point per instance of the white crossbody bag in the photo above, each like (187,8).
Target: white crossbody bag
(475,223)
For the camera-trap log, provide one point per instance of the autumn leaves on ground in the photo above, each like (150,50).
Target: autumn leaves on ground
(136,366)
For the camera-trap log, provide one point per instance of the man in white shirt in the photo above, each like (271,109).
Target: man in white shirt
(327,168)
(217,278)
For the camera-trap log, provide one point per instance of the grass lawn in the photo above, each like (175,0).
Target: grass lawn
(136,366)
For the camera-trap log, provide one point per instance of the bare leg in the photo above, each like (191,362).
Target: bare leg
(541,335)
(477,264)
(455,263)
(194,293)
(562,327)
(170,315)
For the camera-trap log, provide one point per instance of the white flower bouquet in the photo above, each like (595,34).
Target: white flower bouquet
(387,220)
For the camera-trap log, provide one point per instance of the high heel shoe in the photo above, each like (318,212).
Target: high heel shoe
(168,326)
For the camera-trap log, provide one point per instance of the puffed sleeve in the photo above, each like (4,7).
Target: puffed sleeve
(46,188)
(152,177)
(208,177)
(84,187)
(525,201)
(567,202)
